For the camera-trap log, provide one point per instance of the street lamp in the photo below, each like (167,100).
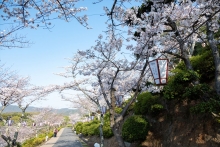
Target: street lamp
(159,70)
(119,100)
(103,109)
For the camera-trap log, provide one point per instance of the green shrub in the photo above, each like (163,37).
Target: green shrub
(107,131)
(16,119)
(203,64)
(118,110)
(78,127)
(135,128)
(33,142)
(178,83)
(126,102)
(50,134)
(28,142)
(156,108)
(147,103)
(36,141)
(199,91)
(91,128)
(205,107)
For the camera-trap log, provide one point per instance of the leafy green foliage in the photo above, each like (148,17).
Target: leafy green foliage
(199,91)
(78,127)
(91,128)
(156,107)
(131,106)
(16,117)
(203,64)
(178,82)
(36,141)
(118,110)
(107,132)
(147,103)
(135,128)
(181,84)
(206,106)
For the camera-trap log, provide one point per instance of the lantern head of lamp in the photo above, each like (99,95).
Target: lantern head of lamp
(159,70)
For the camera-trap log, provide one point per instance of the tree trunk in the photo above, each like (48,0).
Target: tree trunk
(183,51)
(116,132)
(215,54)
(186,60)
(114,123)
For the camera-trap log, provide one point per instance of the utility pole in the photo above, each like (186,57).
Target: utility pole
(101,131)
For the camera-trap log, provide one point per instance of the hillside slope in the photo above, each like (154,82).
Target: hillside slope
(177,127)
(64,111)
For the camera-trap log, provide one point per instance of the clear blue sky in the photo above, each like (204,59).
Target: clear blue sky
(47,54)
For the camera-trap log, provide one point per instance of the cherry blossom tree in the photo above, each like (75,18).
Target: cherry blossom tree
(46,116)
(75,117)
(16,89)
(20,14)
(107,77)
(11,90)
(32,94)
(44,119)
(82,103)
(168,27)
(108,70)
(27,99)
(11,87)
(175,27)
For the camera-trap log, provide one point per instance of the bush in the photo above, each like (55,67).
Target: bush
(177,84)
(16,119)
(78,127)
(199,91)
(203,64)
(206,107)
(147,103)
(91,128)
(36,141)
(28,142)
(118,110)
(107,131)
(135,128)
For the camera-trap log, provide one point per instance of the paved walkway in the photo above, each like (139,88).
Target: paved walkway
(65,138)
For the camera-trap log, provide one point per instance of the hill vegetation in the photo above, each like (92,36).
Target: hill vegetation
(63,111)
(184,113)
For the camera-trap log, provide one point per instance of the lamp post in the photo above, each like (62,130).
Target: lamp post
(159,70)
(119,100)
(103,111)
